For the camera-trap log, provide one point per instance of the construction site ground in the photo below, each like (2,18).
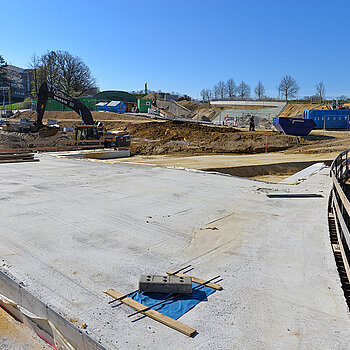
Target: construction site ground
(73,228)
(149,219)
(158,137)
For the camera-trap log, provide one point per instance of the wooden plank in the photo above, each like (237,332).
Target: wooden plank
(343,226)
(336,248)
(341,193)
(198,280)
(340,243)
(18,161)
(168,321)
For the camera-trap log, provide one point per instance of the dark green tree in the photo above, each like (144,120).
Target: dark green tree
(3,64)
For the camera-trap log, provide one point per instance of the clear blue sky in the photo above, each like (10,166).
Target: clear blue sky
(187,45)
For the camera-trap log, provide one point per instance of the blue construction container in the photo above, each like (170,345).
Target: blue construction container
(293,126)
(329,119)
(116,106)
(101,106)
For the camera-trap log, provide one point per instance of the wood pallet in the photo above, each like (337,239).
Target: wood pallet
(17,157)
(166,320)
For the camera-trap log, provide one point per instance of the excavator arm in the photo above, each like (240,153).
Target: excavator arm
(90,130)
(47,91)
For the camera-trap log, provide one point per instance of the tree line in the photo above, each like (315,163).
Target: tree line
(287,89)
(70,74)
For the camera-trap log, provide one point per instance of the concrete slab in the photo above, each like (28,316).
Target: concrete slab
(73,228)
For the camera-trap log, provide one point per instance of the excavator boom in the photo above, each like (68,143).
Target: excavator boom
(90,130)
(47,91)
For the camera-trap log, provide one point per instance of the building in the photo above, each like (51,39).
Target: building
(113,95)
(19,82)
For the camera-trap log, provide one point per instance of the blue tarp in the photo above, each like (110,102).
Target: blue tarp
(177,307)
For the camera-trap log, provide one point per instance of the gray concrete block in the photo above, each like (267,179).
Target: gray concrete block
(165,284)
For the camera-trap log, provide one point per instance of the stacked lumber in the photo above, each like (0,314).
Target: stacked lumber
(17,157)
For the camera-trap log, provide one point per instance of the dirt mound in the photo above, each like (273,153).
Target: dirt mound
(192,105)
(20,140)
(178,130)
(189,138)
(296,109)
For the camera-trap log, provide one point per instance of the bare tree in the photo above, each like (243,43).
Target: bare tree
(222,89)
(204,95)
(34,65)
(320,91)
(243,90)
(216,91)
(67,72)
(342,98)
(231,87)
(259,90)
(49,68)
(288,87)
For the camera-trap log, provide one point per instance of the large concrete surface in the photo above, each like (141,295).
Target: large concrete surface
(73,228)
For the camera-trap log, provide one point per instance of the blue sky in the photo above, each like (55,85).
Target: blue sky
(186,46)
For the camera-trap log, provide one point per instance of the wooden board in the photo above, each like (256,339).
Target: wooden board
(168,321)
(340,243)
(342,196)
(336,248)
(18,160)
(198,280)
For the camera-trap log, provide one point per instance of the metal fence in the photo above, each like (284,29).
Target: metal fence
(339,206)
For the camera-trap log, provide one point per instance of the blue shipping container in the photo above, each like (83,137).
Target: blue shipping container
(101,106)
(116,106)
(329,119)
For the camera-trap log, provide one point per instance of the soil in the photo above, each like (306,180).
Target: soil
(296,110)
(154,137)
(15,335)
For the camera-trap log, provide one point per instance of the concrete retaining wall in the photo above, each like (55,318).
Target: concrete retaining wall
(263,116)
(250,103)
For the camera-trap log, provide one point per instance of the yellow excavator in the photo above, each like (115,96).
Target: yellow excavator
(88,130)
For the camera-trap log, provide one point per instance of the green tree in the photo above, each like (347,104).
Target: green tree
(3,64)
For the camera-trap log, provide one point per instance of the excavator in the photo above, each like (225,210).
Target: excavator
(88,130)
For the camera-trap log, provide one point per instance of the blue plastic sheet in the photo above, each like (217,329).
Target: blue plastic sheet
(177,307)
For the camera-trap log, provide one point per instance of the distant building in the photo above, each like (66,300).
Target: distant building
(122,96)
(19,82)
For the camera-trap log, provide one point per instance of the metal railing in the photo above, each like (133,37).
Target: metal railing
(339,206)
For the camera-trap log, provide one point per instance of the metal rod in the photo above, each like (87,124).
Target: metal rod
(172,297)
(136,290)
